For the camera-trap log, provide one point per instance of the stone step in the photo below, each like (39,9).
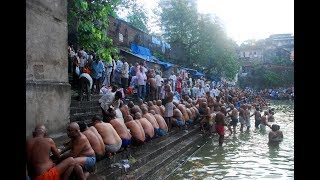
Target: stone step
(144,154)
(165,171)
(103,164)
(94,97)
(145,171)
(87,116)
(77,110)
(75,103)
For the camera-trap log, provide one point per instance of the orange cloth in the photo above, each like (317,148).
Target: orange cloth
(52,174)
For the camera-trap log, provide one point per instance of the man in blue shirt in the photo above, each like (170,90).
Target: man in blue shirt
(97,70)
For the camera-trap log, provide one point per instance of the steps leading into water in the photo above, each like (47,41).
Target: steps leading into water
(161,150)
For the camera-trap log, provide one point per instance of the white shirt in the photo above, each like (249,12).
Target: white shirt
(86,75)
(158,80)
(141,77)
(173,78)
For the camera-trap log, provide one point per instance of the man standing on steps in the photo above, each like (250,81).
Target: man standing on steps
(168,101)
(173,79)
(39,164)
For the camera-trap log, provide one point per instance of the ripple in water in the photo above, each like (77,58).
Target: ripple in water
(246,155)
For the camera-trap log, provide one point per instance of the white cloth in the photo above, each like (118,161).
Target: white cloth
(141,78)
(106,100)
(86,75)
(158,80)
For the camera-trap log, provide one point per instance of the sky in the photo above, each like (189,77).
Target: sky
(246,19)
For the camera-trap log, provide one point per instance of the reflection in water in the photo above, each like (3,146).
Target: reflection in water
(246,155)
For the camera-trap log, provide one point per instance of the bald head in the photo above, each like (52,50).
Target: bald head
(144,110)
(150,103)
(74,126)
(130,104)
(137,115)
(40,129)
(159,103)
(129,118)
(152,112)
(140,101)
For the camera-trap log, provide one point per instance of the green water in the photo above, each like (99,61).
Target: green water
(245,155)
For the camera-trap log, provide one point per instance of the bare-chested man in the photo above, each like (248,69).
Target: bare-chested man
(141,103)
(247,116)
(80,150)
(210,101)
(111,139)
(220,123)
(184,112)
(153,107)
(257,117)
(264,121)
(190,111)
(206,118)
(94,138)
(124,110)
(168,111)
(134,108)
(121,129)
(242,117)
(270,116)
(151,119)
(136,130)
(163,128)
(147,126)
(161,107)
(275,135)
(39,164)
(177,118)
(153,88)
(234,119)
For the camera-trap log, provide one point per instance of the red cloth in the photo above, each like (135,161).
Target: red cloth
(52,174)
(220,129)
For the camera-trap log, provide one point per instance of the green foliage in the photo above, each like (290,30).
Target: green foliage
(138,16)
(261,77)
(203,40)
(90,21)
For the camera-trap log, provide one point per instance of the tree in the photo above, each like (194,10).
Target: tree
(88,23)
(202,38)
(138,16)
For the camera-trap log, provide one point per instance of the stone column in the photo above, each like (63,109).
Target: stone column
(48,92)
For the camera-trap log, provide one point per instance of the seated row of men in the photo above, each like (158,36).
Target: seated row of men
(93,142)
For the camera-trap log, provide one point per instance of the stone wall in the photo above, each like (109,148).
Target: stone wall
(48,93)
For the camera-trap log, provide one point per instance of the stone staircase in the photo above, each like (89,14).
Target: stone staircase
(85,109)
(148,159)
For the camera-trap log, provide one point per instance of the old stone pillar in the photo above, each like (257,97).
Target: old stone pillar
(48,93)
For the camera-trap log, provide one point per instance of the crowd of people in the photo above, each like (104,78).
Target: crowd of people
(125,125)
(162,104)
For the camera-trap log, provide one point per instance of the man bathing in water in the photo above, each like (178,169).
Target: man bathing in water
(234,119)
(275,135)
